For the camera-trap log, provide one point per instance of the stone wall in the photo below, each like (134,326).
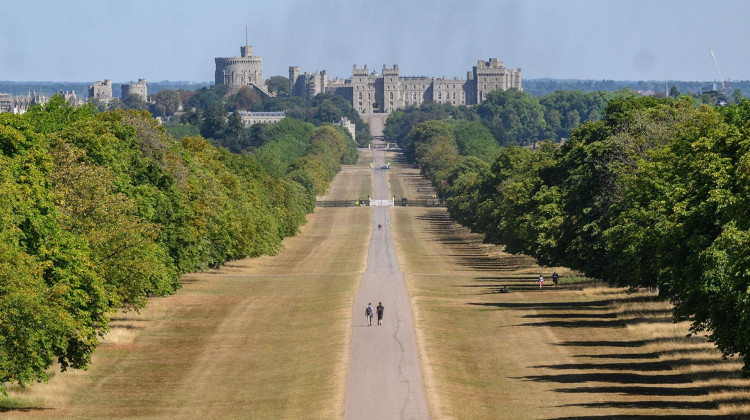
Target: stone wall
(131,88)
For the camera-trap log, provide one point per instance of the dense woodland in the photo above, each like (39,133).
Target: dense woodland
(101,210)
(653,193)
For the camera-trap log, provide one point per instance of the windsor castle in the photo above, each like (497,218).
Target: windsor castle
(372,92)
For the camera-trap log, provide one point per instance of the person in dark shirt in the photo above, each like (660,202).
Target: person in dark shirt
(555,278)
(380,310)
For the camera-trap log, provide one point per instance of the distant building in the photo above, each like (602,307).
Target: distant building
(371,92)
(246,70)
(140,89)
(20,104)
(70,97)
(101,91)
(250,118)
(350,126)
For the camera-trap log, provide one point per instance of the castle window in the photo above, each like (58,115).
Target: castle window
(360,96)
(414,96)
(440,95)
(391,96)
(454,95)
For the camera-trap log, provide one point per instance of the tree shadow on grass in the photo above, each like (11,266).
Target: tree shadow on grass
(626,378)
(665,391)
(648,355)
(575,315)
(23,409)
(567,306)
(649,404)
(649,416)
(473,256)
(639,366)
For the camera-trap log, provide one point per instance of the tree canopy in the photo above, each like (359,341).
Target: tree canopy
(652,194)
(99,211)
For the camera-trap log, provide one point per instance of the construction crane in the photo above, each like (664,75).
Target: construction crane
(716,63)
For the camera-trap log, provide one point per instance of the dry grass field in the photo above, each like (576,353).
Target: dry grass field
(579,351)
(257,338)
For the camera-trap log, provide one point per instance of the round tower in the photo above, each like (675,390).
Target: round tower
(239,71)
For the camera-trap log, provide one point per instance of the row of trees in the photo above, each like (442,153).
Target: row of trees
(99,211)
(513,117)
(655,194)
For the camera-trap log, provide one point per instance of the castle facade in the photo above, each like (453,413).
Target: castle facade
(372,92)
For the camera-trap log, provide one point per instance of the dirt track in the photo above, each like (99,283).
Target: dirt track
(385,378)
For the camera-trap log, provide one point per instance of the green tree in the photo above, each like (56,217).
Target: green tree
(135,102)
(214,121)
(278,85)
(245,99)
(513,117)
(165,103)
(737,96)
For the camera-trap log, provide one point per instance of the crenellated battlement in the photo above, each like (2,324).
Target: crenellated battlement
(390,72)
(356,71)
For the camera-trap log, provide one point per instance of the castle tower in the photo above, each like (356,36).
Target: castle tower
(363,90)
(101,90)
(140,89)
(392,95)
(491,75)
(294,72)
(240,71)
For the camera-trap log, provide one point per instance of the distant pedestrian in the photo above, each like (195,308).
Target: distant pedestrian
(380,227)
(368,313)
(555,278)
(380,309)
(541,281)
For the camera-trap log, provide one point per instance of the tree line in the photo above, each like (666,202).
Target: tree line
(655,193)
(206,112)
(512,116)
(101,210)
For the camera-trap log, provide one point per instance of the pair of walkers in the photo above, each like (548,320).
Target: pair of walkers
(379,309)
(555,279)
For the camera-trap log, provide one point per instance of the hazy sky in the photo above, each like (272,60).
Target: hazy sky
(56,40)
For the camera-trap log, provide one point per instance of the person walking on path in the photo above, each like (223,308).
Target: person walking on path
(368,314)
(541,281)
(555,278)
(380,309)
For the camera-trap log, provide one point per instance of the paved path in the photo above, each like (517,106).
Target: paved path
(385,378)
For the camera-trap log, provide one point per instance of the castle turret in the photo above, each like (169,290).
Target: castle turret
(140,89)
(294,72)
(101,90)
(240,71)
